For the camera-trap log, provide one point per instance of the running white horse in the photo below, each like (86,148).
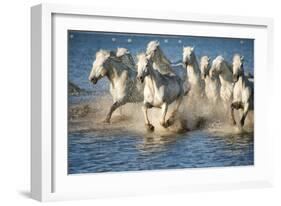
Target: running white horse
(220,67)
(212,85)
(193,73)
(123,84)
(160,90)
(243,91)
(159,60)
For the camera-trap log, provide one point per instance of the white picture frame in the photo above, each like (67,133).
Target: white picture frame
(49,179)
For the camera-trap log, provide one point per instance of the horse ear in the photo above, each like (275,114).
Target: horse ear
(157,43)
(192,48)
(242,58)
(209,59)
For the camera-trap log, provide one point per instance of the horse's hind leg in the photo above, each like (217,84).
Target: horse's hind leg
(148,125)
(170,121)
(112,109)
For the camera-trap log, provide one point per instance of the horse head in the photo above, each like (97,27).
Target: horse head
(188,56)
(237,66)
(204,66)
(217,67)
(100,66)
(143,66)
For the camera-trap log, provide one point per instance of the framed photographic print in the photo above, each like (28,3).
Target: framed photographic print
(135,102)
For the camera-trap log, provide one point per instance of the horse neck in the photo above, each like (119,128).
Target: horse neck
(162,64)
(193,69)
(114,70)
(153,74)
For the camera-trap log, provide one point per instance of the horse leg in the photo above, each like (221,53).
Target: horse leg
(164,112)
(245,112)
(148,125)
(170,121)
(234,105)
(120,111)
(112,109)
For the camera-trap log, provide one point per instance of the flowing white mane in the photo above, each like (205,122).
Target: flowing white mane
(160,61)
(115,63)
(126,57)
(102,54)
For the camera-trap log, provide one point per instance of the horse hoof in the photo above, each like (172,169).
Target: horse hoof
(149,127)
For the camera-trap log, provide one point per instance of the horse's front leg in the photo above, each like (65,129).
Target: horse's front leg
(148,125)
(164,112)
(113,107)
(232,113)
(245,112)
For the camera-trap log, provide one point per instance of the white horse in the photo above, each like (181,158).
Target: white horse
(158,58)
(212,85)
(220,67)
(123,84)
(193,73)
(243,91)
(159,90)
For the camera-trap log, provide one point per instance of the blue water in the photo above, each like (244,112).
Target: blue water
(106,152)
(109,150)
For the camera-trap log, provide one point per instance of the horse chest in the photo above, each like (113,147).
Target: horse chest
(193,77)
(237,90)
(153,95)
(118,89)
(211,87)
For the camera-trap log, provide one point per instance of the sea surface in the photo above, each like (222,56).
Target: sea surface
(113,150)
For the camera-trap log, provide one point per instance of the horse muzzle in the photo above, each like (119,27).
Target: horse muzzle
(94,80)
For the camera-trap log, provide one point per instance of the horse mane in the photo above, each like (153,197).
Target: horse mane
(162,62)
(154,46)
(118,64)
(125,56)
(220,60)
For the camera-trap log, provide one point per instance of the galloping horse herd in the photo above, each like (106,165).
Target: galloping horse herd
(153,81)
